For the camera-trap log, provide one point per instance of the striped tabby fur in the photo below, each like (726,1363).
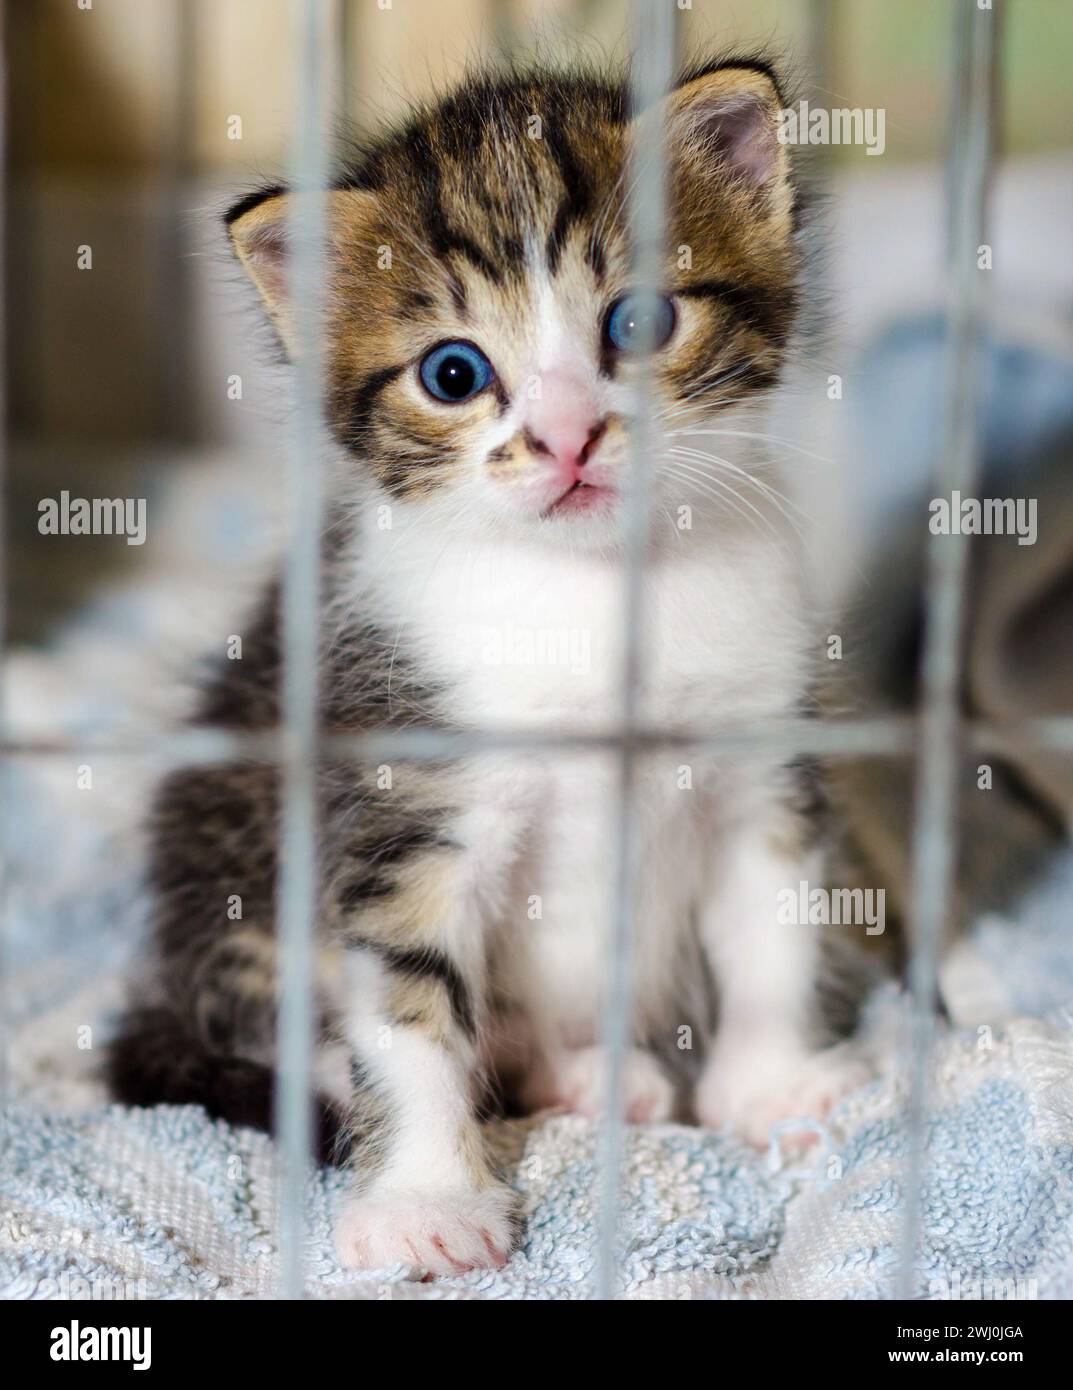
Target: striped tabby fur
(497,217)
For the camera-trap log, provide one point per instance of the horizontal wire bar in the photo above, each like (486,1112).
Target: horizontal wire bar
(881,736)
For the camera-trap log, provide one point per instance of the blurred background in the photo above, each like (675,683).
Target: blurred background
(132,122)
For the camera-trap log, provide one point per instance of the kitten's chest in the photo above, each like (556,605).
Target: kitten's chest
(538,640)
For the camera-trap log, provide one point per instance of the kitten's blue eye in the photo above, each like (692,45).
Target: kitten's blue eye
(454,372)
(637,322)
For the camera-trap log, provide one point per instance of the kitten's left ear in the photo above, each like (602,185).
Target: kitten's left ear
(727,121)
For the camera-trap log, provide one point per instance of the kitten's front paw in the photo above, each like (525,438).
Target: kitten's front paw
(577,1082)
(444,1231)
(751,1091)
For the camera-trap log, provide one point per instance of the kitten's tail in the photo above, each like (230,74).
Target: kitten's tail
(155,1060)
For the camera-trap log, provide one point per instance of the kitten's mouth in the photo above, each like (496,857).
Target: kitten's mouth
(580,497)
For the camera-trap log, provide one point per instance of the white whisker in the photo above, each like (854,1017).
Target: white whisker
(751,434)
(780,500)
(678,468)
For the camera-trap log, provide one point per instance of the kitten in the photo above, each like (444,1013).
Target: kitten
(479,397)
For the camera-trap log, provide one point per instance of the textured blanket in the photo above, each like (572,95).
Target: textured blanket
(103,1202)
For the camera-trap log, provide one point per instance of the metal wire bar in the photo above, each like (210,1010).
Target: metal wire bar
(5,768)
(174,378)
(883,737)
(820,30)
(503,30)
(945,596)
(654,53)
(315,38)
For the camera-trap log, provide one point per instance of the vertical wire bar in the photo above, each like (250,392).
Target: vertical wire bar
(5,763)
(941,731)
(820,29)
(314,35)
(654,33)
(503,35)
(347,31)
(174,290)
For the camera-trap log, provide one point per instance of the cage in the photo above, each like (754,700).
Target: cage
(154,477)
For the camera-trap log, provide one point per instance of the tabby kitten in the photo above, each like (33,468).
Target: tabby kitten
(479,397)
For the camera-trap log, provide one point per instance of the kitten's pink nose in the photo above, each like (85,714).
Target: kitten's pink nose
(563,424)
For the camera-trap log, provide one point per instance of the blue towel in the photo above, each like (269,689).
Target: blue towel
(100,1201)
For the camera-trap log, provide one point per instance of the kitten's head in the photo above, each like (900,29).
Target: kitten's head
(482,314)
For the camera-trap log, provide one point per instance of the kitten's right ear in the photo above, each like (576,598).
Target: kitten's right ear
(259,228)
